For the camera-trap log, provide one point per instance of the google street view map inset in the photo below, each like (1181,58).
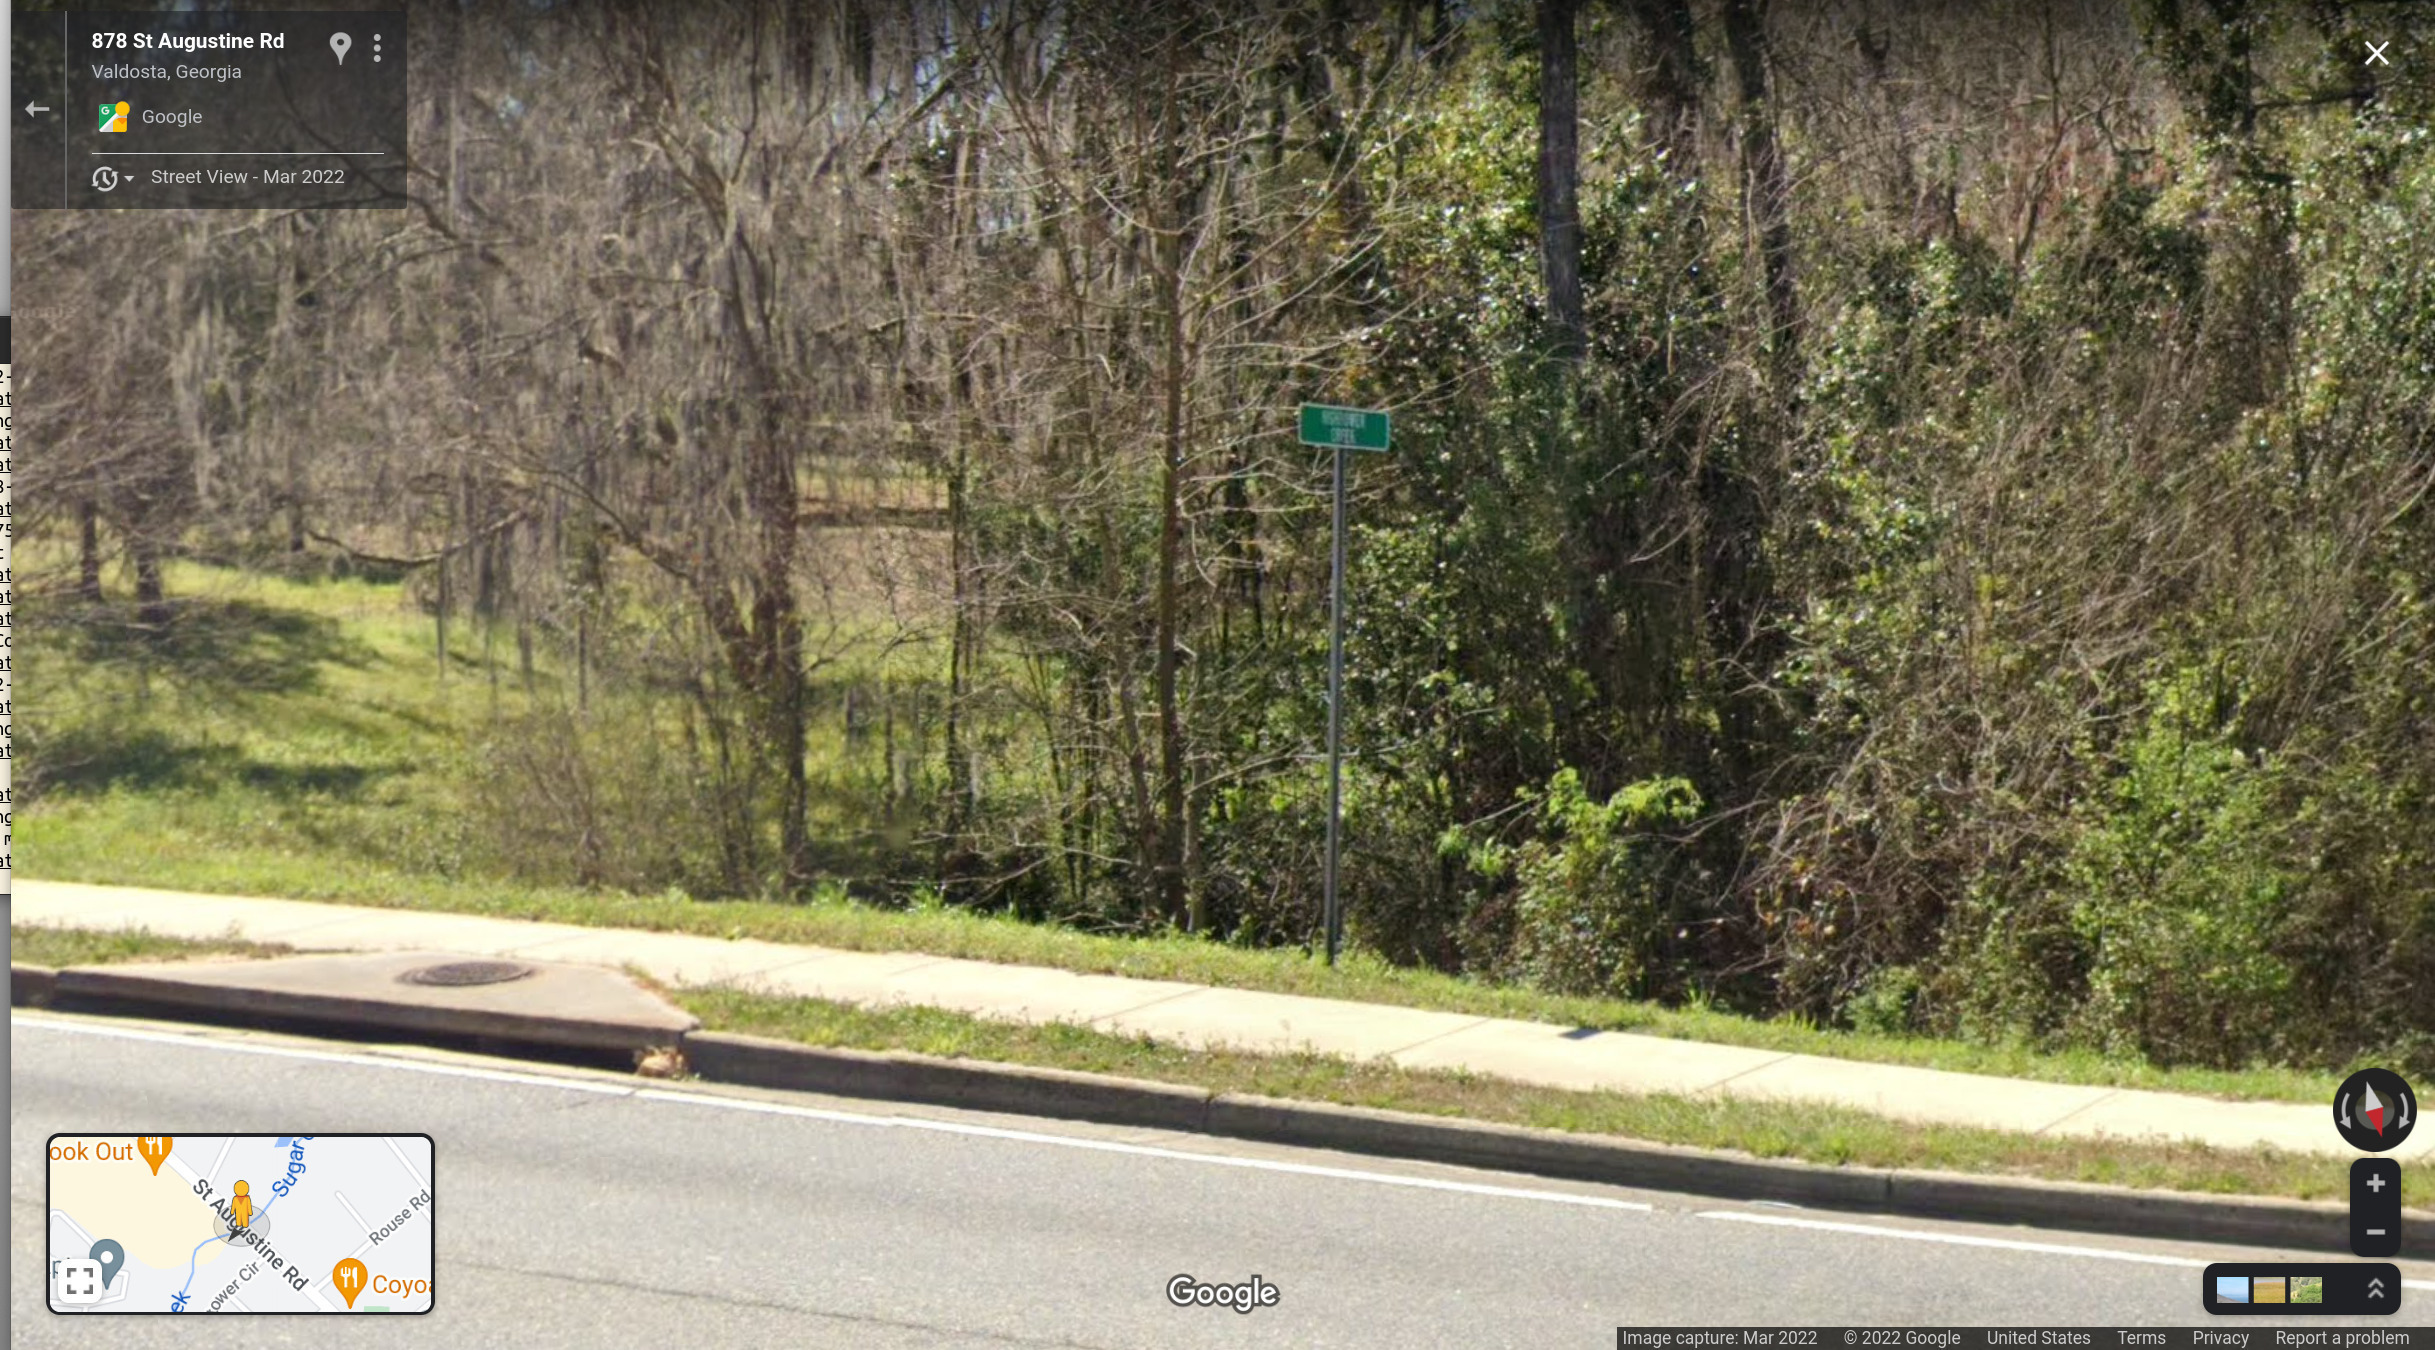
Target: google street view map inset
(259,1223)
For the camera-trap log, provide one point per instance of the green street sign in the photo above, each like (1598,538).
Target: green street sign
(1352,428)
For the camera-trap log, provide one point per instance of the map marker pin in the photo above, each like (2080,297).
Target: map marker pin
(155,1148)
(348,1276)
(339,42)
(113,1258)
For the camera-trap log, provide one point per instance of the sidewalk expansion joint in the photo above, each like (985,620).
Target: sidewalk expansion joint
(2092,1102)
(555,940)
(740,977)
(253,933)
(1745,1073)
(1435,1036)
(1162,998)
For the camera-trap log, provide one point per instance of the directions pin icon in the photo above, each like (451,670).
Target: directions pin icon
(112,1258)
(155,1148)
(339,42)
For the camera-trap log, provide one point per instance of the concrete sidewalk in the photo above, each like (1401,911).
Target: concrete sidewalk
(1198,1015)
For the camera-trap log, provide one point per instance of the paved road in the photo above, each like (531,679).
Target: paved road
(584,1210)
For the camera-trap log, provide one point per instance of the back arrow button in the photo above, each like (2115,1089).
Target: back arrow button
(33,108)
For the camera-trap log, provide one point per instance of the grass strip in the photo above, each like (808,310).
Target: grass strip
(58,947)
(941,931)
(1810,1133)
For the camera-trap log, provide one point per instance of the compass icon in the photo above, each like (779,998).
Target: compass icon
(2374,1109)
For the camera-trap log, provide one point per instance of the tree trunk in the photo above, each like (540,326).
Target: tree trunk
(1668,82)
(466,335)
(151,602)
(440,603)
(1766,188)
(88,550)
(963,638)
(775,643)
(1560,176)
(964,641)
(282,333)
(1339,148)
(774,500)
(1169,866)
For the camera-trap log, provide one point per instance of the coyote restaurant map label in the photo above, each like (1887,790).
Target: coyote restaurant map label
(240,1223)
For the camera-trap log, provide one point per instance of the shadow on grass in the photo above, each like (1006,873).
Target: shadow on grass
(308,780)
(206,644)
(95,758)
(89,759)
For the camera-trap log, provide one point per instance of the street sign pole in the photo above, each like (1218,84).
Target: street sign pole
(1344,430)
(1335,712)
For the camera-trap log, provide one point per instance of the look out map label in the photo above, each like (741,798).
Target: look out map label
(246,1223)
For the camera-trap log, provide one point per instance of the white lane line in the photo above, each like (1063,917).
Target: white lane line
(776,1108)
(322,1056)
(226,1144)
(1973,1240)
(1954,1239)
(853,1118)
(1108,1146)
(1150,1151)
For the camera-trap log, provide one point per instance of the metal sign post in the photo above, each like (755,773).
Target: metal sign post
(1335,711)
(1344,430)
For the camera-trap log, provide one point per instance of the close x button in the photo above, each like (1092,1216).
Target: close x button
(2375,1207)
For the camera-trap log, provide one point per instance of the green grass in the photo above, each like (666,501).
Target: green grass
(60,947)
(165,856)
(1809,1133)
(326,762)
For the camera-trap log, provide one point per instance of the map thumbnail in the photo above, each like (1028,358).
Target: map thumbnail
(240,1223)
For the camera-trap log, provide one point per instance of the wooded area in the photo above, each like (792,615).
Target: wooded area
(1910,515)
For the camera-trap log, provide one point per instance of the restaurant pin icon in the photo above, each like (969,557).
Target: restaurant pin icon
(348,1277)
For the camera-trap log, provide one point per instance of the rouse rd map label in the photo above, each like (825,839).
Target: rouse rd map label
(259,1223)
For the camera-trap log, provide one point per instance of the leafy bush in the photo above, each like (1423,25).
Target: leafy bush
(1885,1004)
(1591,890)
(2183,892)
(606,799)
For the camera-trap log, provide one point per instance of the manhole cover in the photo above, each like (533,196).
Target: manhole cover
(459,973)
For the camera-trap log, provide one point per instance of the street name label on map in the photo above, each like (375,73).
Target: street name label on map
(332,1224)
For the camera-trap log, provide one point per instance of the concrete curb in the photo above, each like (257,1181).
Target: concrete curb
(136,988)
(31,986)
(2248,1220)
(755,1061)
